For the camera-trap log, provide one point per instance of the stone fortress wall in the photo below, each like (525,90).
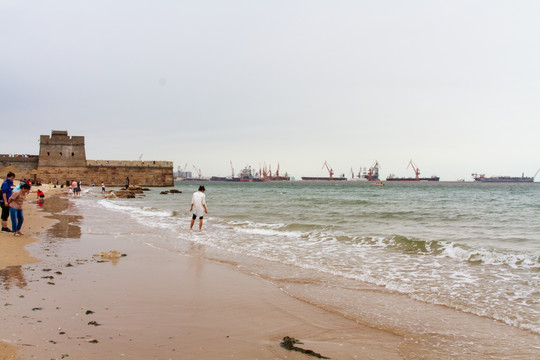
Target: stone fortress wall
(63,158)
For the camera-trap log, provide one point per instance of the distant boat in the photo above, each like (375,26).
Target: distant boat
(416,173)
(504,179)
(393,178)
(309,178)
(372,174)
(329,178)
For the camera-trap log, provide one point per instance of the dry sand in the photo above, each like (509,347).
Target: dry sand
(153,304)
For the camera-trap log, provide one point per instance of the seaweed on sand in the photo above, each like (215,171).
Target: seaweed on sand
(289,344)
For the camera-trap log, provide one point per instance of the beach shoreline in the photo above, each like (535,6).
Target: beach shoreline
(159,304)
(181,301)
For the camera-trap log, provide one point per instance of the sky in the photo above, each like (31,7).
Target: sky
(452,85)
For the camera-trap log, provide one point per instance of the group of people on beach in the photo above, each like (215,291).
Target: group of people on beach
(12,201)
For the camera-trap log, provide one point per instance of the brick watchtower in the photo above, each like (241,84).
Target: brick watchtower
(60,150)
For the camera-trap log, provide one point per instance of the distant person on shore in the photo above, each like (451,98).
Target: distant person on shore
(16,202)
(103,187)
(127,182)
(198,207)
(40,197)
(40,194)
(4,201)
(74,187)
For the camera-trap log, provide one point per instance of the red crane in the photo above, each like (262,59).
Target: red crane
(415,169)
(330,171)
(198,171)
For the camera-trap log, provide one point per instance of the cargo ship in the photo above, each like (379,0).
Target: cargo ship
(250,175)
(416,175)
(329,178)
(265,174)
(415,178)
(372,173)
(246,175)
(504,179)
(393,178)
(310,178)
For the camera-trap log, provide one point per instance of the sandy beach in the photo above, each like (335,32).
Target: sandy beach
(63,299)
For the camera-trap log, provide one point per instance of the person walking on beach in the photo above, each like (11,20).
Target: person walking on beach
(103,187)
(15,208)
(6,194)
(127,182)
(198,206)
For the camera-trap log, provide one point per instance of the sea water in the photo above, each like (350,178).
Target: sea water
(468,247)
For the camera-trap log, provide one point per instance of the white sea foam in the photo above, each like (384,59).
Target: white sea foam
(491,257)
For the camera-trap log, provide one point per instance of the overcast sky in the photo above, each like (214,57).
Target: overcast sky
(453,85)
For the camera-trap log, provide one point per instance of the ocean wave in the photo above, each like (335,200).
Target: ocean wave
(491,257)
(140,210)
(451,250)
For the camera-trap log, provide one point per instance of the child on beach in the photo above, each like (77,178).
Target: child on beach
(15,208)
(40,194)
(40,197)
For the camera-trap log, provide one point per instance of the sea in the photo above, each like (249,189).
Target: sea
(453,267)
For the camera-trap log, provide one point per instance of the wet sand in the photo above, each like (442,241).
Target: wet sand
(153,303)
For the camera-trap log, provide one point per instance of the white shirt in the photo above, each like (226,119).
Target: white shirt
(198,200)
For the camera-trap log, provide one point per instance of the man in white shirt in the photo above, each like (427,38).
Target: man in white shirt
(198,206)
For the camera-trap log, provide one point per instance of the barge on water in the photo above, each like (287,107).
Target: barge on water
(309,178)
(393,178)
(329,178)
(415,178)
(504,179)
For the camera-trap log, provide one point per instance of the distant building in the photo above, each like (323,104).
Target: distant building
(63,158)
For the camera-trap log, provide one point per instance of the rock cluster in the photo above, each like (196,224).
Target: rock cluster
(172,191)
(129,193)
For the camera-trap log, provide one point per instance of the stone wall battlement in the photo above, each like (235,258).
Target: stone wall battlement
(63,158)
(128,163)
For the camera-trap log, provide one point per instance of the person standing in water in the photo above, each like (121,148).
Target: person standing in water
(198,206)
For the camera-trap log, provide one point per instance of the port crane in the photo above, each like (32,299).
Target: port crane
(330,171)
(415,169)
(373,172)
(198,171)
